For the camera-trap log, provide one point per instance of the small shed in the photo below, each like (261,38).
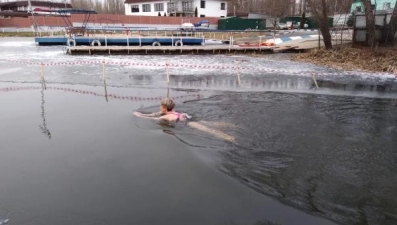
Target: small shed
(237,23)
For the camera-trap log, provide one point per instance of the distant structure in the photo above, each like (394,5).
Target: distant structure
(378,5)
(204,8)
(21,8)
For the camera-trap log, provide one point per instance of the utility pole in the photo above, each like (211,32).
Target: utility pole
(30,6)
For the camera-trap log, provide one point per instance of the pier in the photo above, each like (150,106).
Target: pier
(167,50)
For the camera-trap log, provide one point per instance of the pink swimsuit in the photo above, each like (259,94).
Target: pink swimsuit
(177,114)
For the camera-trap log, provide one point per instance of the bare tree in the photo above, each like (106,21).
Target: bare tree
(370,23)
(276,10)
(101,6)
(392,27)
(320,10)
(341,6)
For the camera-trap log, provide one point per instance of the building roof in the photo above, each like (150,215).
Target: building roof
(35,3)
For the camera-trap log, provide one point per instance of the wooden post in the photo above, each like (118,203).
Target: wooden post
(139,34)
(238,75)
(230,40)
(314,79)
(103,70)
(106,90)
(104,79)
(167,73)
(260,43)
(168,79)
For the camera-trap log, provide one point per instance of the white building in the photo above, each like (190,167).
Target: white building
(20,5)
(20,8)
(205,8)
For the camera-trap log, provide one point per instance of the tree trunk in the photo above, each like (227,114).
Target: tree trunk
(392,27)
(324,27)
(370,23)
(321,15)
(303,20)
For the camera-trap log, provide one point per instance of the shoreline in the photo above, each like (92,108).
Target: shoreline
(352,58)
(343,58)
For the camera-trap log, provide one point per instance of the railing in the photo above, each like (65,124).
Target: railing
(180,9)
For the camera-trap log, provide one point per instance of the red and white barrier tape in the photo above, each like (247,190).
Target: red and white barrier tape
(196,66)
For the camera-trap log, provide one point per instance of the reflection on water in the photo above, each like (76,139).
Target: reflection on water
(43,127)
(105,94)
(330,155)
(277,82)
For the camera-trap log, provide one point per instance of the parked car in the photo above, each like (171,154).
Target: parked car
(281,26)
(187,26)
(202,24)
(297,25)
(285,26)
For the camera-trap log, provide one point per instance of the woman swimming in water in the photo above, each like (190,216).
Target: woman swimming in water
(167,113)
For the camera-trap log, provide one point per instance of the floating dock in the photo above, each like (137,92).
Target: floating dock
(120,41)
(167,50)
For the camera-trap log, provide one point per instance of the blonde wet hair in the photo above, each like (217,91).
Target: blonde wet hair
(168,103)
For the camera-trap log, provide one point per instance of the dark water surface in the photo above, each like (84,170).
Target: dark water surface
(71,155)
(334,156)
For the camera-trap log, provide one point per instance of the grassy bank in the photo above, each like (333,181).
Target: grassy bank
(348,58)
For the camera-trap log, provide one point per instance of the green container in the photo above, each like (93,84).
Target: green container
(236,23)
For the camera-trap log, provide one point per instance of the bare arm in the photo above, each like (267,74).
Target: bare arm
(148,116)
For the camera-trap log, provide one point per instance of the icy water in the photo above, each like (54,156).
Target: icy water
(74,154)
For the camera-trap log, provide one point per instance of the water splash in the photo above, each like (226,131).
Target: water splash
(4,221)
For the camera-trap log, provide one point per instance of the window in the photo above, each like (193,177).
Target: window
(187,6)
(170,6)
(223,6)
(135,8)
(146,8)
(158,7)
(202,4)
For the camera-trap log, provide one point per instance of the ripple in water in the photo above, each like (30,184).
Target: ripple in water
(329,155)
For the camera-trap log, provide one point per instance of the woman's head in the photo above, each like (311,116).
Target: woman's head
(167,104)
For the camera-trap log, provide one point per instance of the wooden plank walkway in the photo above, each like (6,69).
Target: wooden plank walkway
(167,50)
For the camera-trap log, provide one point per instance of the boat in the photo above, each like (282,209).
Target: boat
(256,45)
